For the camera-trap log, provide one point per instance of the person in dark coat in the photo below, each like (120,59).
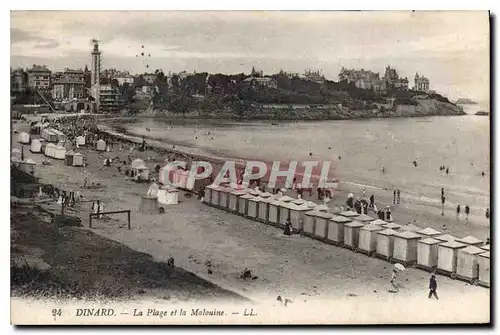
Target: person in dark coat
(487,214)
(372,200)
(394,198)
(467,211)
(398,193)
(288,228)
(458,211)
(433,287)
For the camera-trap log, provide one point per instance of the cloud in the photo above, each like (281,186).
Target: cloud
(48,45)
(18,35)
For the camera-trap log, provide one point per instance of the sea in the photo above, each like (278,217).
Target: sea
(358,150)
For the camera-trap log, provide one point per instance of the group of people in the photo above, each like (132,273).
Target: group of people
(432,284)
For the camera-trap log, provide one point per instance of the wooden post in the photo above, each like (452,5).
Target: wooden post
(90,220)
(128,217)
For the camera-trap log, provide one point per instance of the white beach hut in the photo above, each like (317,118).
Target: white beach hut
(253,207)
(59,152)
(470,240)
(140,173)
(321,228)
(264,208)
(214,199)
(467,264)
(368,238)
(406,247)
(385,243)
(483,260)
(274,212)
(36,146)
(49,150)
(447,257)
(310,222)
(167,195)
(24,138)
(351,234)
(80,141)
(297,215)
(427,254)
(101,145)
(243,204)
(428,232)
(336,229)
(224,193)
(284,209)
(234,197)
(207,198)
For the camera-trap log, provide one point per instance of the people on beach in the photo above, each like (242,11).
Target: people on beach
(458,211)
(415,163)
(433,287)
(443,200)
(398,193)
(487,214)
(364,192)
(372,201)
(394,198)
(394,275)
(383,169)
(288,227)
(447,170)
(467,211)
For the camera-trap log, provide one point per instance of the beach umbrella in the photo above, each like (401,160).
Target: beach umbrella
(399,266)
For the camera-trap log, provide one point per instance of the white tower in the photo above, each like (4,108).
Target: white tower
(96,64)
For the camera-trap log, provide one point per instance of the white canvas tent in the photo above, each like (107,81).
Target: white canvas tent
(385,243)
(167,195)
(24,138)
(428,232)
(427,255)
(80,141)
(59,152)
(471,240)
(101,145)
(351,234)
(36,146)
(368,238)
(406,246)
(447,256)
(78,159)
(467,265)
(336,228)
(49,150)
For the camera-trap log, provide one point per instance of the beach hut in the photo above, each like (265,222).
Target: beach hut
(167,195)
(483,261)
(223,197)
(385,244)
(243,204)
(350,214)
(321,229)
(427,254)
(49,150)
(368,238)
(266,195)
(69,158)
(336,229)
(253,207)
(234,196)
(322,208)
(59,152)
(446,238)
(470,240)
(297,216)
(80,141)
(467,265)
(78,159)
(447,257)
(101,145)
(351,234)
(363,218)
(24,138)
(284,210)
(16,155)
(208,194)
(406,247)
(393,226)
(60,136)
(379,222)
(140,173)
(310,222)
(214,200)
(428,232)
(36,146)
(264,208)
(274,212)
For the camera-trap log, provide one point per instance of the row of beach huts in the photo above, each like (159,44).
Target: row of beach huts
(465,258)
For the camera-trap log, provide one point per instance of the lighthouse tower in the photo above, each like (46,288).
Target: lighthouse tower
(95,74)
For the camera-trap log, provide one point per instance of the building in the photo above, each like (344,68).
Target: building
(392,79)
(257,82)
(352,76)
(314,76)
(69,74)
(96,64)
(18,81)
(122,79)
(421,83)
(67,89)
(108,98)
(39,77)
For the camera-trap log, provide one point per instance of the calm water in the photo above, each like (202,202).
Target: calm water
(459,142)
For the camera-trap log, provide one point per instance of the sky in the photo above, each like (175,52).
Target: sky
(450,48)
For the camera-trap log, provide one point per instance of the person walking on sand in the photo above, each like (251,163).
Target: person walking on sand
(443,200)
(467,212)
(364,192)
(398,193)
(394,276)
(372,201)
(458,212)
(487,214)
(433,287)
(394,198)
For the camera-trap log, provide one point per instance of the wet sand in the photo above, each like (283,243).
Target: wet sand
(308,272)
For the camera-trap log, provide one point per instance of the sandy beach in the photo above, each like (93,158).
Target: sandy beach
(299,268)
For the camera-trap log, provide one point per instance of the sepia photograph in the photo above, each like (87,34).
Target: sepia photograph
(250,167)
